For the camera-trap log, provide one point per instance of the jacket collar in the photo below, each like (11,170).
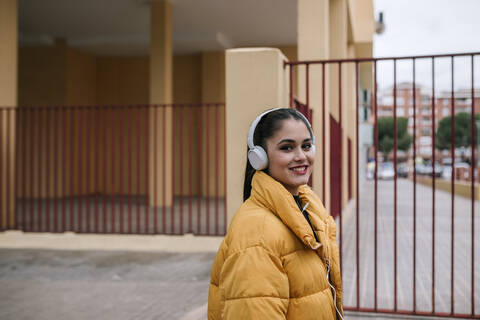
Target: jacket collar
(273,195)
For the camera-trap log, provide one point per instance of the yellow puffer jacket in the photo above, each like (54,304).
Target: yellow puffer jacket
(269,266)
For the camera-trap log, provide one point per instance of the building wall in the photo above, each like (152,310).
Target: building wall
(80,79)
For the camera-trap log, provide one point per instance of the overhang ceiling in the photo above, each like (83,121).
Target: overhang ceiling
(122,27)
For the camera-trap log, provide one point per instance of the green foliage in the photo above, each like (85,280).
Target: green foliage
(385,134)
(463,131)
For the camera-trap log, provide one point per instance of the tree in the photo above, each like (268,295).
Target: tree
(463,131)
(385,135)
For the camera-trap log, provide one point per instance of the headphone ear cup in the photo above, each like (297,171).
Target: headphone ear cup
(258,158)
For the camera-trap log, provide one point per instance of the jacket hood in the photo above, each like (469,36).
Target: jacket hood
(273,195)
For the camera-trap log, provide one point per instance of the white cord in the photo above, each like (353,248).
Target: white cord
(334,291)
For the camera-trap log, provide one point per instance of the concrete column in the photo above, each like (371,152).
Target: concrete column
(8,97)
(314,44)
(338,50)
(255,81)
(161,92)
(213,90)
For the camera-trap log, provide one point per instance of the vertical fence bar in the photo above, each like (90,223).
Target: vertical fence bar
(415,194)
(453,193)
(155,172)
(164,165)
(112,170)
(376,182)
(190,171)
(323,134)
(55,168)
(207,166)
(147,151)
(32,179)
(341,157)
(137,121)
(104,171)
(80,174)
(1,164)
(433,183)
(97,165)
(180,167)
(199,167)
(120,167)
(216,168)
(129,165)
(88,129)
(24,129)
(291,86)
(16,121)
(307,89)
(395,184)
(7,166)
(72,154)
(64,167)
(474,142)
(47,168)
(39,170)
(172,211)
(357,215)
(224,170)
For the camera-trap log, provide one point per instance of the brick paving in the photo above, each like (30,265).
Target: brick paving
(48,284)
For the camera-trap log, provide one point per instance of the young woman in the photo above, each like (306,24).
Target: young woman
(279,258)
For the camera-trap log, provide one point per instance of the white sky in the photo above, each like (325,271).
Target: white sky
(422,27)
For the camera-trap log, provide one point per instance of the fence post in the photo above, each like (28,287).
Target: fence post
(256,80)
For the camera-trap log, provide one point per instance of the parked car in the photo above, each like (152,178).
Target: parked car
(447,169)
(402,170)
(386,171)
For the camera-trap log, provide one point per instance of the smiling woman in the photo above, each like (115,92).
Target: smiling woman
(279,258)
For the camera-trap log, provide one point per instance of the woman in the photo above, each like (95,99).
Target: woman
(279,258)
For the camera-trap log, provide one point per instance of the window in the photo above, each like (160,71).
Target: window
(400,112)
(410,111)
(425,140)
(446,111)
(426,132)
(400,101)
(425,150)
(388,101)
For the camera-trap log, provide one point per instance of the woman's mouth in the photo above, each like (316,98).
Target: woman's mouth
(300,170)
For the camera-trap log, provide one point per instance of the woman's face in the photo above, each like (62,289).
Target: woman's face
(290,157)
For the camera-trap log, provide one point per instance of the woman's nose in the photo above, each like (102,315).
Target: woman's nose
(299,154)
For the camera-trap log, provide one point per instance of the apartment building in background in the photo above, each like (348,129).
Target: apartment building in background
(427,115)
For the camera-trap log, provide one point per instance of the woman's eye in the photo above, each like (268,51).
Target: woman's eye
(286,148)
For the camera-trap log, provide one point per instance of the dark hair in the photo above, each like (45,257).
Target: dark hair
(266,128)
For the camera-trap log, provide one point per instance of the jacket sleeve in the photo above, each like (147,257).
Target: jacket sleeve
(253,285)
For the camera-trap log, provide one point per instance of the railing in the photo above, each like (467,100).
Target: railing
(146,169)
(406,248)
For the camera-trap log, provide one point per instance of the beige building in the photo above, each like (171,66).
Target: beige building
(134,52)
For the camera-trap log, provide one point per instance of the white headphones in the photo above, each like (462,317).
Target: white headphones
(257,156)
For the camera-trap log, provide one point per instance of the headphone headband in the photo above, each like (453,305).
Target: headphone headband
(255,122)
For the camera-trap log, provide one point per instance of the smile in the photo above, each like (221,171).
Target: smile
(301,170)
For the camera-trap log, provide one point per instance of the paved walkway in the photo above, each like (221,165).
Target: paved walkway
(424,245)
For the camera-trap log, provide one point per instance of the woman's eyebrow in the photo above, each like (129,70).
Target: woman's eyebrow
(293,141)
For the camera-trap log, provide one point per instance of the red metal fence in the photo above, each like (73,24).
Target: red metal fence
(146,169)
(406,248)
